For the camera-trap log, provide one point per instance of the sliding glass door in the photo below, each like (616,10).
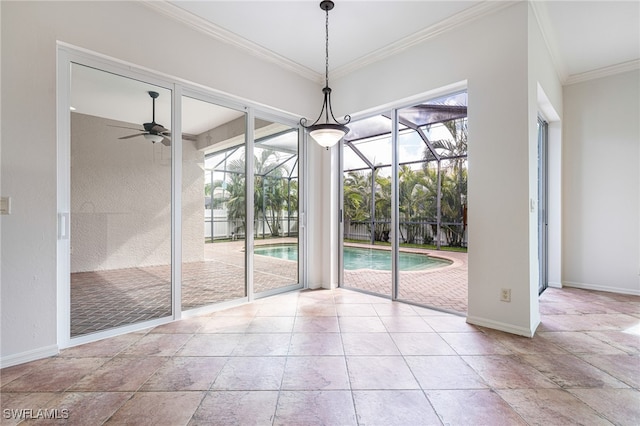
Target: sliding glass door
(213,199)
(404,204)
(170,199)
(276,194)
(120,202)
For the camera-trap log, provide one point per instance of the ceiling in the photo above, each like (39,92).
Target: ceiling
(583,36)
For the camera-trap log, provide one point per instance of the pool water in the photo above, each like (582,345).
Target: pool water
(362,258)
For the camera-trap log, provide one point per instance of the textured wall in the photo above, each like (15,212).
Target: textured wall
(120,198)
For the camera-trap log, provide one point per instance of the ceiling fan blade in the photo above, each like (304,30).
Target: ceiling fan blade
(123,127)
(158,128)
(166,141)
(131,136)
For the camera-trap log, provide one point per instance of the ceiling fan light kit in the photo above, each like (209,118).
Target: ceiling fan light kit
(153,138)
(153,131)
(328,133)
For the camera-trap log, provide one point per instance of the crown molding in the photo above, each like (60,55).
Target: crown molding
(603,72)
(477,11)
(542,17)
(219,33)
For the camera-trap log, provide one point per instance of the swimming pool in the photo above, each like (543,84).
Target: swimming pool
(362,258)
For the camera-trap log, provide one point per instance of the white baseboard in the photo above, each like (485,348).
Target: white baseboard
(508,328)
(32,355)
(621,290)
(554,284)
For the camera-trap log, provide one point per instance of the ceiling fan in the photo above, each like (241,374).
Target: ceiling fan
(153,131)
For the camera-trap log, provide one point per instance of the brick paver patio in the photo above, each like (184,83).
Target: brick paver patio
(443,288)
(106,299)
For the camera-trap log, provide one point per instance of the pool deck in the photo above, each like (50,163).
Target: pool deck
(442,288)
(107,299)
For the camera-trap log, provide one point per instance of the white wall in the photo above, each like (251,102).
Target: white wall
(601,191)
(491,55)
(28,169)
(545,98)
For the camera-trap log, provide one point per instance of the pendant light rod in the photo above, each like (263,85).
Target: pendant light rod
(327,134)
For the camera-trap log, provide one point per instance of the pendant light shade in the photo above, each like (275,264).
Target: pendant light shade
(328,133)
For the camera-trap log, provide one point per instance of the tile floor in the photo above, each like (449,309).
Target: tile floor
(346,358)
(101,300)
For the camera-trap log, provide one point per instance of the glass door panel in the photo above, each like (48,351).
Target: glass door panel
(432,190)
(543,223)
(276,195)
(213,203)
(120,194)
(366,257)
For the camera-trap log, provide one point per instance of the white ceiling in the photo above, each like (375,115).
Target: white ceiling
(583,36)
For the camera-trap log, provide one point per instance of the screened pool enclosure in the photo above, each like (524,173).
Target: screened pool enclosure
(404,193)
(432,175)
(275,189)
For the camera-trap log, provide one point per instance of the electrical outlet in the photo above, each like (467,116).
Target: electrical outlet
(505,295)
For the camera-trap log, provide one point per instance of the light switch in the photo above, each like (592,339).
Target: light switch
(5,205)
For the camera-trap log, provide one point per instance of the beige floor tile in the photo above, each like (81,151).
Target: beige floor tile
(247,408)
(158,408)
(472,407)
(185,374)
(380,372)
(311,408)
(86,408)
(369,344)
(157,345)
(56,375)
(251,373)
(316,344)
(394,408)
(551,407)
(316,373)
(421,344)
(569,371)
(120,374)
(361,325)
(444,372)
(507,372)
(619,406)
(474,344)
(316,325)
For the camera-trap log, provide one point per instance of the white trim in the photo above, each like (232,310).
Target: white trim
(219,33)
(501,326)
(603,72)
(176,202)
(475,12)
(554,284)
(542,17)
(462,18)
(598,287)
(28,356)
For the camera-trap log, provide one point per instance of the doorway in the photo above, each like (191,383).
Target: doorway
(543,217)
(404,192)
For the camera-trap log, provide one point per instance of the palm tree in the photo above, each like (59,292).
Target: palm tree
(414,190)
(453,178)
(382,207)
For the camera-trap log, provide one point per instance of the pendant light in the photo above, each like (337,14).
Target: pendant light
(327,134)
